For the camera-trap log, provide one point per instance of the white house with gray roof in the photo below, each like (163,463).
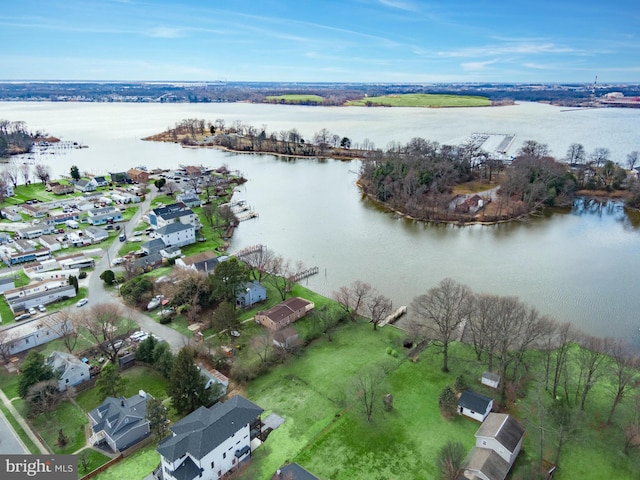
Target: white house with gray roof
(69,369)
(210,442)
(120,422)
(177,234)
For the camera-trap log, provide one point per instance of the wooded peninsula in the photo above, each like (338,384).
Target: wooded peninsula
(429,181)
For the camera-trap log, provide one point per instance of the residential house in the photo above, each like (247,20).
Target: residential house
(204,262)
(474,405)
(293,471)
(104,215)
(75,261)
(152,246)
(9,191)
(210,442)
(177,234)
(120,422)
(50,242)
(138,176)
(5,237)
(498,442)
(69,369)
(491,379)
(147,263)
(84,185)
(38,293)
(171,252)
(24,246)
(96,234)
(32,333)
(34,210)
(62,189)
(285,313)
(190,199)
(11,214)
(120,177)
(35,231)
(101,181)
(176,212)
(250,293)
(7,283)
(32,256)
(62,218)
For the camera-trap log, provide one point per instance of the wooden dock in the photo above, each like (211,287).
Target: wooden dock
(304,274)
(393,316)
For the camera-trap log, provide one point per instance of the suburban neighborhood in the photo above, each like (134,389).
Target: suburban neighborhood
(133,338)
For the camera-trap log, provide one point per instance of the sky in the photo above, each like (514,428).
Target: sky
(386,41)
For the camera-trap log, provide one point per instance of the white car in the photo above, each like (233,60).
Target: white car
(117,261)
(33,311)
(42,308)
(82,303)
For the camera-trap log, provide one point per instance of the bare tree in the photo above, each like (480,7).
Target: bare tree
(378,307)
(343,297)
(483,327)
(576,154)
(262,345)
(259,261)
(592,359)
(67,329)
(171,187)
(102,322)
(43,397)
(600,156)
(367,389)
(564,337)
(6,342)
(11,173)
(632,159)
(442,310)
(624,369)
(3,188)
(43,172)
(25,169)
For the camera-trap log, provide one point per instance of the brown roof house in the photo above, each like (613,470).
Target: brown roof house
(498,442)
(284,313)
(138,176)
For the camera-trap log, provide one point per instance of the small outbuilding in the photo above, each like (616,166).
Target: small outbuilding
(474,405)
(491,379)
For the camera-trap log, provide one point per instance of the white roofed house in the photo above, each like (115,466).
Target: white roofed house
(84,185)
(96,234)
(31,333)
(210,442)
(69,369)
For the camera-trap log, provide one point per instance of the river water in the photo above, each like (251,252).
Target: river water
(580,265)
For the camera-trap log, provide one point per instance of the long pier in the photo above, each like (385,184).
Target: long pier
(393,316)
(304,274)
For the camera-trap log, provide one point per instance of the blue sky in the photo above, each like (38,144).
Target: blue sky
(402,41)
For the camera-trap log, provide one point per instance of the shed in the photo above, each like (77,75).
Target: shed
(474,405)
(491,379)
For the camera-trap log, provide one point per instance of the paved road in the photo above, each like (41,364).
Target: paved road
(9,440)
(98,294)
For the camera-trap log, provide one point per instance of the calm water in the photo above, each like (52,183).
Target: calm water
(578,266)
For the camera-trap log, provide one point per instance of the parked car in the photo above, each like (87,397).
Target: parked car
(138,233)
(166,311)
(117,261)
(23,316)
(82,303)
(122,237)
(33,311)
(42,308)
(137,335)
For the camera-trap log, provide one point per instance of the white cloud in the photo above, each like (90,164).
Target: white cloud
(400,5)
(476,66)
(164,32)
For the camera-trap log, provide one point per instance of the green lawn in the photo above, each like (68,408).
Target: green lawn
(139,378)
(421,100)
(135,467)
(295,99)
(94,460)
(70,419)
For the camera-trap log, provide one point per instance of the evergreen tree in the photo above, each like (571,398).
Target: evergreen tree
(163,359)
(157,416)
(144,353)
(74,172)
(110,382)
(447,401)
(186,385)
(33,370)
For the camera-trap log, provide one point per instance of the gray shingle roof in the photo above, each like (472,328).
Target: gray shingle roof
(504,428)
(488,462)
(203,430)
(474,401)
(116,416)
(173,228)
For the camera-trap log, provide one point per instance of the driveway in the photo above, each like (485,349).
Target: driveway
(98,294)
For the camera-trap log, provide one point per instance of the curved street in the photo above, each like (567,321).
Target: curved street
(98,294)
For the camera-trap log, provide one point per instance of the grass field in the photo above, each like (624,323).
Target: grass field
(295,99)
(421,100)
(68,418)
(326,433)
(135,467)
(94,460)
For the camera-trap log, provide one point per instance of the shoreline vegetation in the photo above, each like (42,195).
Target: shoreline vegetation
(425,181)
(420,100)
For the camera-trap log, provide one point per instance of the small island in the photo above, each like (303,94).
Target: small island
(426,100)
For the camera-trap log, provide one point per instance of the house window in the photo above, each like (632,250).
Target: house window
(66,381)
(211,464)
(224,454)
